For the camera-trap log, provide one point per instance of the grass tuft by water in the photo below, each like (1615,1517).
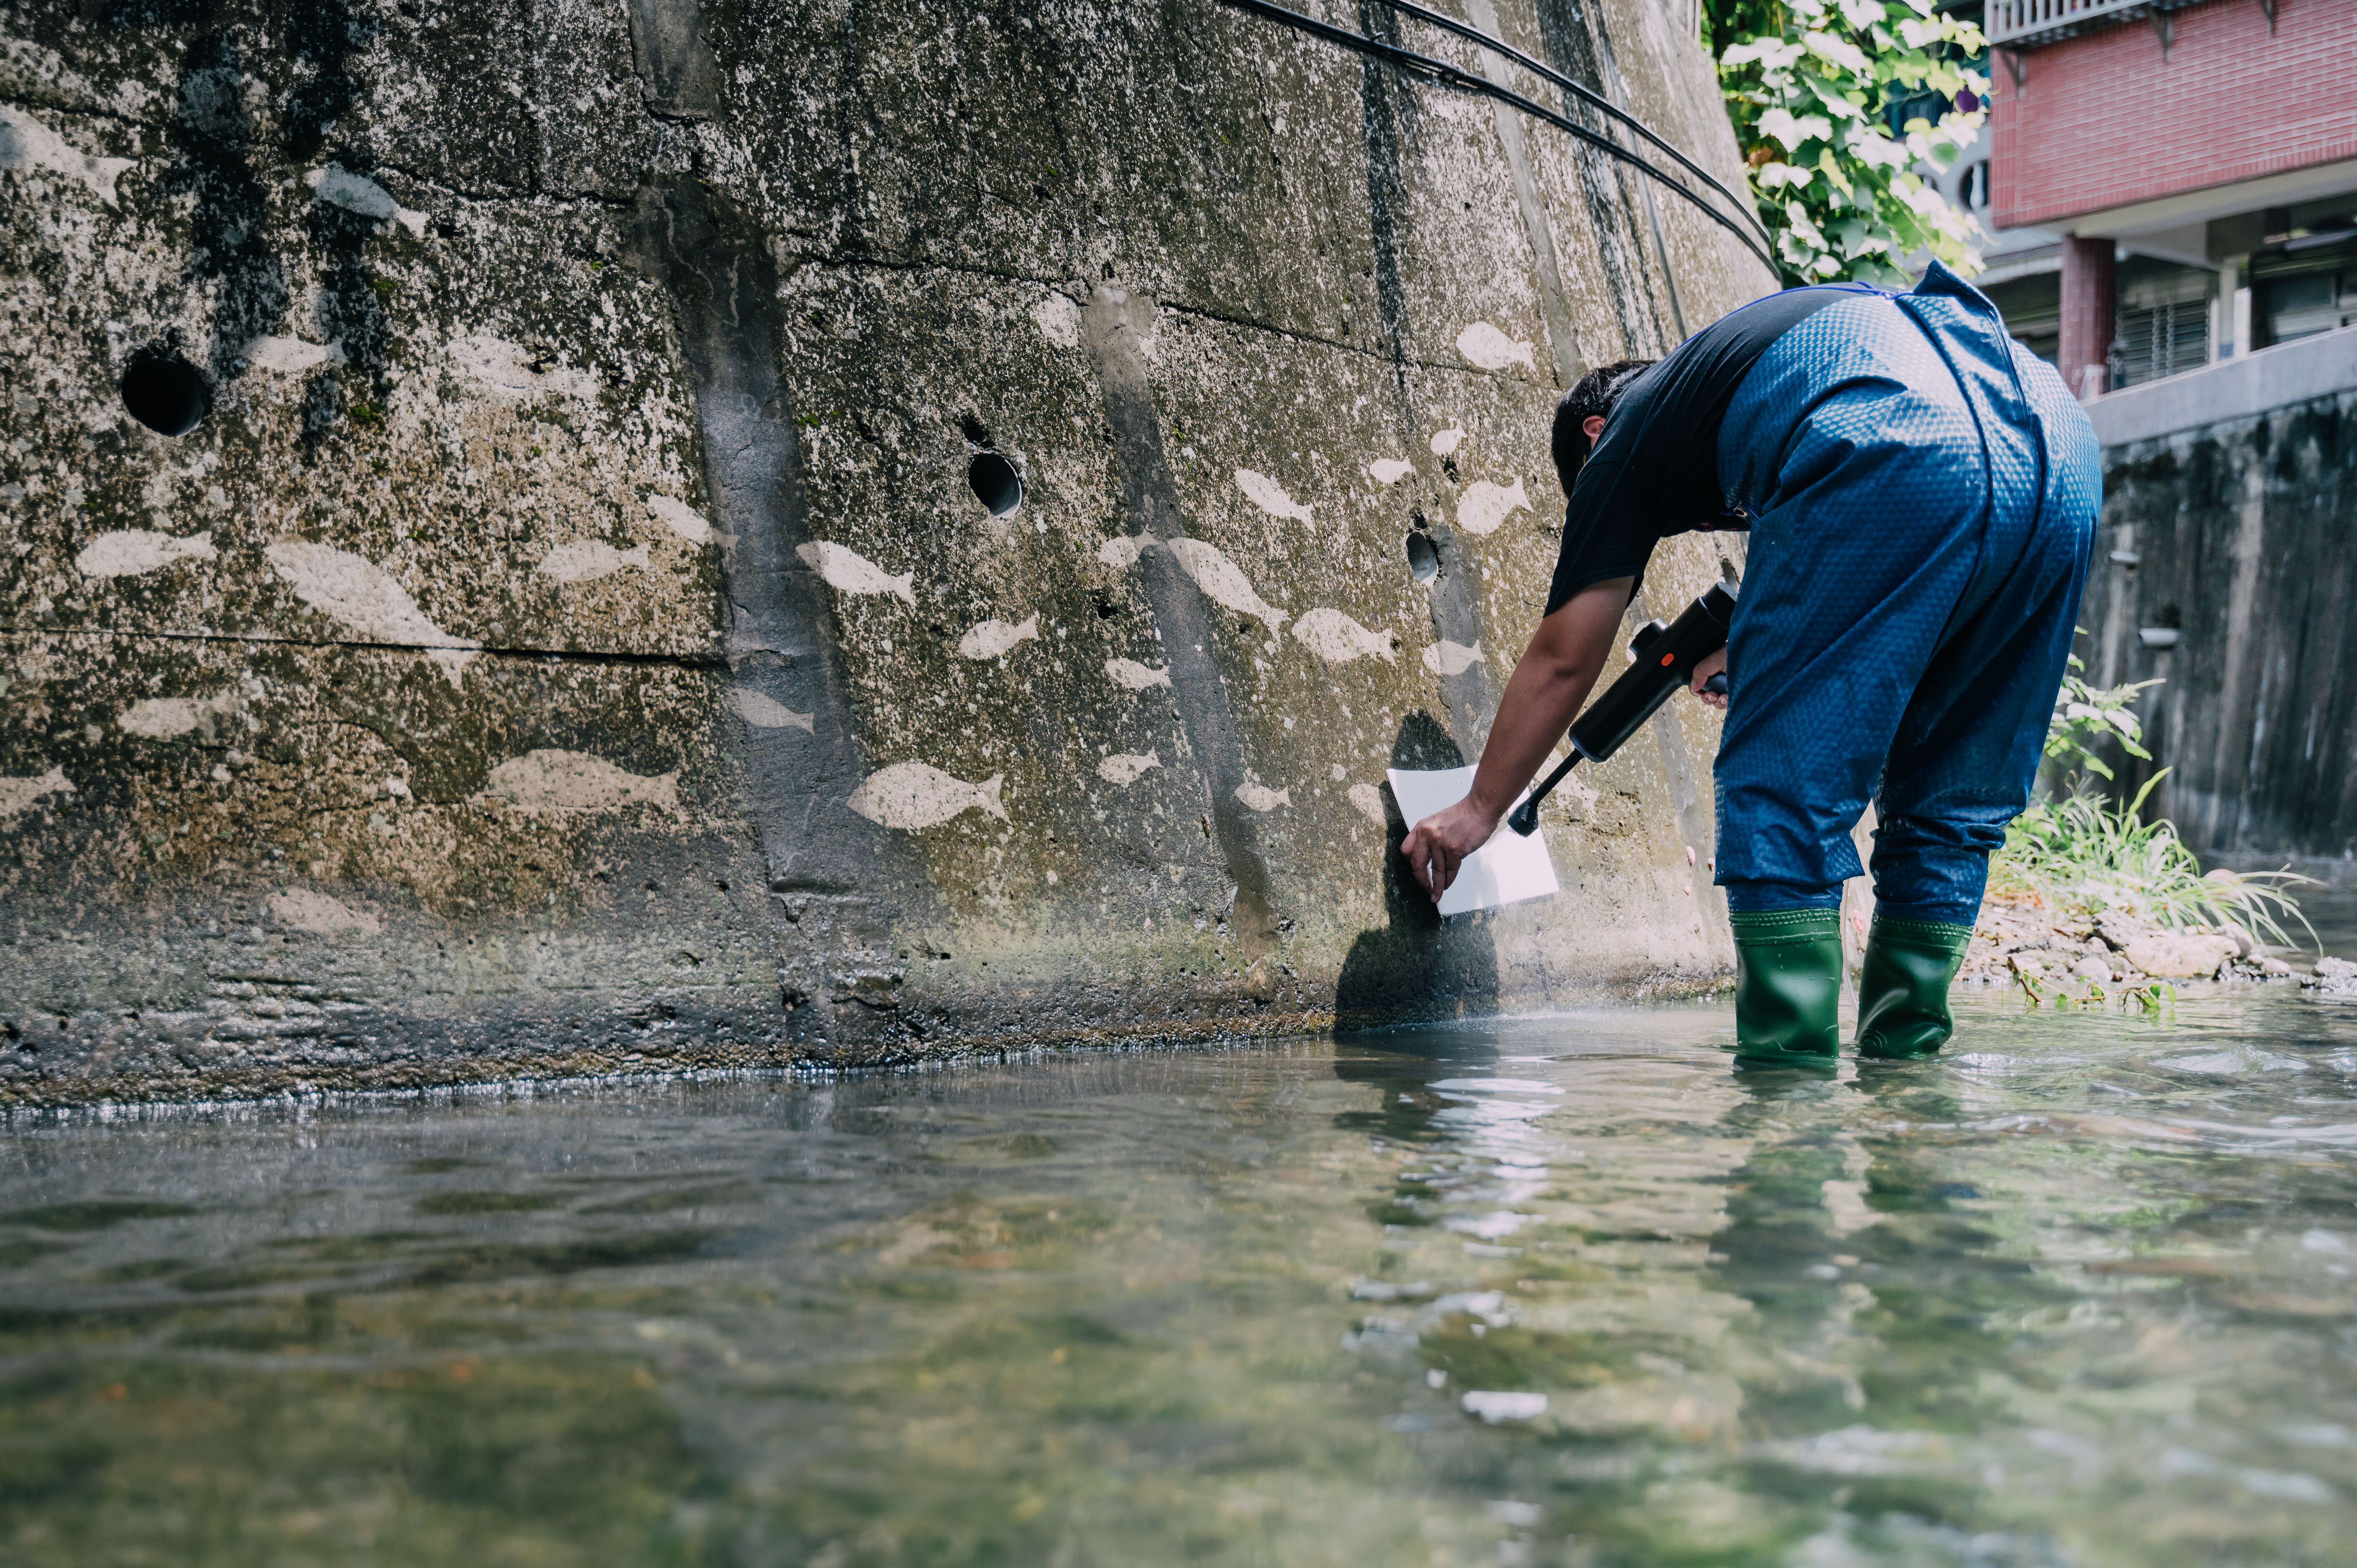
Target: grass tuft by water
(2081,856)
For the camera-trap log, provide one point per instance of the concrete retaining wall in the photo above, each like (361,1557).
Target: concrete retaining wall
(2224,571)
(571,640)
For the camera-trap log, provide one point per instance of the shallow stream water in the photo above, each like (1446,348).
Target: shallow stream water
(1557,1291)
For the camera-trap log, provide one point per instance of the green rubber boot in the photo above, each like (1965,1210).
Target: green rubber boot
(1902,991)
(1788,965)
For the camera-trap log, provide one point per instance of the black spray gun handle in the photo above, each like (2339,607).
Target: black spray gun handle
(1666,654)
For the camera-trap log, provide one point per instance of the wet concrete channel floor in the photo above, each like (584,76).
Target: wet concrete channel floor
(1550,1291)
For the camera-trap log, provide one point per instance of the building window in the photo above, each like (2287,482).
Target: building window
(2158,341)
(2303,306)
(2305,282)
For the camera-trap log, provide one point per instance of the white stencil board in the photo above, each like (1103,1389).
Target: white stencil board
(1509,869)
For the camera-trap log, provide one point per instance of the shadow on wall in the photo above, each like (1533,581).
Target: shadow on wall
(1417,966)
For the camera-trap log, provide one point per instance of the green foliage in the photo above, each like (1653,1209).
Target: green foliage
(1807,83)
(2153,997)
(2081,856)
(2085,715)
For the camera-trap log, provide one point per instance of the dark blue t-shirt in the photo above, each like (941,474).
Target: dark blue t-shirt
(1654,471)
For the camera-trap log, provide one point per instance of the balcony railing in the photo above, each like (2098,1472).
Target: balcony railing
(2019,24)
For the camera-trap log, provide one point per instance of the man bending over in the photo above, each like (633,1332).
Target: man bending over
(1922,494)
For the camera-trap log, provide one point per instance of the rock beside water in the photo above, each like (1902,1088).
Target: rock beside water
(2114,949)
(2180,957)
(2333,978)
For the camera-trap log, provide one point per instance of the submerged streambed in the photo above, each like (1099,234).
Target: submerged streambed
(1557,1291)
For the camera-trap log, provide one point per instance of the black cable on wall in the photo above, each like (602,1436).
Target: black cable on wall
(1457,77)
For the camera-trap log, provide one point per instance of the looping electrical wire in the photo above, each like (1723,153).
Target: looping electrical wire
(1584,93)
(1457,77)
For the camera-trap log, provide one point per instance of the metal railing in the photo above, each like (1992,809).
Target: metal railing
(2022,23)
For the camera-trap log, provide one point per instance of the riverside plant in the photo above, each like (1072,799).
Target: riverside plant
(2081,856)
(2077,855)
(1841,107)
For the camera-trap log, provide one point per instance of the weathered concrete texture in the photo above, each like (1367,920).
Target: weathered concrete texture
(571,641)
(2232,536)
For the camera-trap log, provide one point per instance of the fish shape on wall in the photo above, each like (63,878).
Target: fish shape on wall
(356,592)
(1486,346)
(161,718)
(292,356)
(849,572)
(339,186)
(1389,471)
(1452,658)
(1261,797)
(680,518)
(994,638)
(1337,639)
(1137,677)
(550,780)
(585,560)
(128,552)
(1269,495)
(513,373)
(1485,507)
(1126,768)
(308,909)
(913,795)
(1223,582)
(25,143)
(767,712)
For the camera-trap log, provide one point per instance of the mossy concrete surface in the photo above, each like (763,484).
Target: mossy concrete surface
(573,638)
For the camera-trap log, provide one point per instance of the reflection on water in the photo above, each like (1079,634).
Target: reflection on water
(1553,1292)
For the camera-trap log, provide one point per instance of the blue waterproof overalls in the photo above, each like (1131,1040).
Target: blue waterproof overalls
(1924,494)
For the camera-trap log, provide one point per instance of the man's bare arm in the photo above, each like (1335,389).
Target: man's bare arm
(1550,682)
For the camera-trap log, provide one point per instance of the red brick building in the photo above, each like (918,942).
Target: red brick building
(2195,167)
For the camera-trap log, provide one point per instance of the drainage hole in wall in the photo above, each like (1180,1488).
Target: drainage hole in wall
(1423,557)
(166,393)
(995,483)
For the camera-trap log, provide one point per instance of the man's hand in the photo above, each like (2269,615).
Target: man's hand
(1550,680)
(1437,847)
(1713,665)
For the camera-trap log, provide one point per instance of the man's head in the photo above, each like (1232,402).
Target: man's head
(1579,417)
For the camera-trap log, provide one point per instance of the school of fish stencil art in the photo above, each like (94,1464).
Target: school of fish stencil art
(675,646)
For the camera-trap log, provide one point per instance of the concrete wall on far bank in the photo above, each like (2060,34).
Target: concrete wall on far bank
(571,641)
(2224,571)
